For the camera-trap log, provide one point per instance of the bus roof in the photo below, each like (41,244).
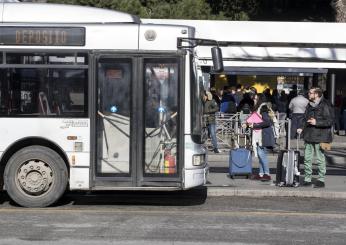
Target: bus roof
(61,13)
(264,31)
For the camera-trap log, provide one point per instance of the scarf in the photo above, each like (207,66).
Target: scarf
(316,102)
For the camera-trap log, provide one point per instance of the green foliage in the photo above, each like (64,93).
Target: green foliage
(235,9)
(280,10)
(172,9)
(184,9)
(129,6)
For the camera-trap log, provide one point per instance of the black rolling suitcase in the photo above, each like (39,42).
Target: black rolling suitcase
(287,168)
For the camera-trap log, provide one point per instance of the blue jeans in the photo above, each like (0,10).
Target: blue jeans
(212,132)
(263,160)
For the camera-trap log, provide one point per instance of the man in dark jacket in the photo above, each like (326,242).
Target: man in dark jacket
(317,123)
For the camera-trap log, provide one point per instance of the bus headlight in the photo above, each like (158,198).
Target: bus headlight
(198,160)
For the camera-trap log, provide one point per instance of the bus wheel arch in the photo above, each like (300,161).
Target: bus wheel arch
(35,175)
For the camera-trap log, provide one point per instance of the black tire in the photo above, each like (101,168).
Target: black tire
(44,171)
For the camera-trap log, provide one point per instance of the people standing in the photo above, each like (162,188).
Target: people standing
(238,95)
(246,104)
(316,129)
(267,94)
(228,104)
(216,97)
(210,108)
(297,109)
(282,103)
(266,138)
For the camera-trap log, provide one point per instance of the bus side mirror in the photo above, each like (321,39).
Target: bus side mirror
(216,55)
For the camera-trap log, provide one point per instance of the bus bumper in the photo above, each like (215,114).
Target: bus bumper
(195,177)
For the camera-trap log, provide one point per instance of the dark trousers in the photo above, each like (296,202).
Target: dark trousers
(296,122)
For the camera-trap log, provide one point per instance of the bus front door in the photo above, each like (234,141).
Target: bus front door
(137,121)
(113,124)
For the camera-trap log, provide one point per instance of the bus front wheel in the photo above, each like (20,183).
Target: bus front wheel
(35,176)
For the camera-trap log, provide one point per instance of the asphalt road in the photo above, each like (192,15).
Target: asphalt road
(174,218)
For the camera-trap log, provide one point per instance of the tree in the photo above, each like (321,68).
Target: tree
(339,7)
(235,9)
(172,9)
(129,6)
(183,9)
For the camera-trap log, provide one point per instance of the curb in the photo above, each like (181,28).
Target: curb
(280,192)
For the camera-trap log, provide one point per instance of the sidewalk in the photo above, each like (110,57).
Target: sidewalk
(219,184)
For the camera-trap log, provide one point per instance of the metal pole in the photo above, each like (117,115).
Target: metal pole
(332,88)
(288,138)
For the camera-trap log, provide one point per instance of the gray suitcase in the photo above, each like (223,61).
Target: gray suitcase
(287,168)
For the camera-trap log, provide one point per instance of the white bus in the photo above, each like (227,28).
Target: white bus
(92,99)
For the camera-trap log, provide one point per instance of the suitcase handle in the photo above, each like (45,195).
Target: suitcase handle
(298,139)
(289,135)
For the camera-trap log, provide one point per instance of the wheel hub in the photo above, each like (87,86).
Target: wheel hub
(35,177)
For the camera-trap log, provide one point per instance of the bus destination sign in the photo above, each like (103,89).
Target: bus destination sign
(42,36)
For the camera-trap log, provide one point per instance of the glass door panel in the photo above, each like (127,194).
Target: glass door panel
(113,117)
(161,82)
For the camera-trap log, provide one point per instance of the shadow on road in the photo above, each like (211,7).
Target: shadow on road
(4,197)
(163,198)
(192,197)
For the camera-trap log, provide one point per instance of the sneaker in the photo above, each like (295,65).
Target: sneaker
(266,177)
(307,184)
(216,150)
(256,177)
(319,184)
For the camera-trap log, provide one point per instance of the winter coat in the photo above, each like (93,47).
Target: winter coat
(210,107)
(268,139)
(246,104)
(321,132)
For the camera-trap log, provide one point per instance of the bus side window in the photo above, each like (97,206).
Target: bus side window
(43,104)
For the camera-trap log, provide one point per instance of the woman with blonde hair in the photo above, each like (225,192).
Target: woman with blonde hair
(266,137)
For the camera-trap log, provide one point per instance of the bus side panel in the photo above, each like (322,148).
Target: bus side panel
(71,135)
(79,179)
(120,37)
